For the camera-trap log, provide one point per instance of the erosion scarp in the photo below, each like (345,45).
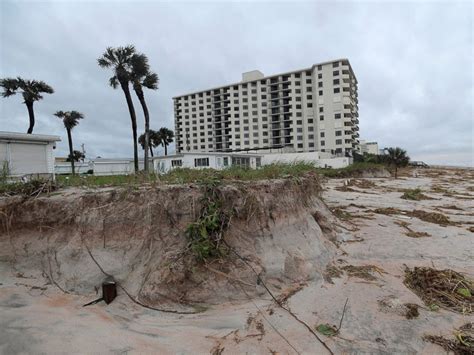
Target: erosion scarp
(75,238)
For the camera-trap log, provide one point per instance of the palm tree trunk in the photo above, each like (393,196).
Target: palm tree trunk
(151,151)
(31,113)
(166,149)
(133,118)
(71,151)
(141,98)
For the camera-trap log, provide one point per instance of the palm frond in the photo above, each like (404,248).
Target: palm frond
(151,81)
(113,81)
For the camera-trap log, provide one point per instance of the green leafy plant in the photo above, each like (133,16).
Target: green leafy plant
(327,329)
(207,232)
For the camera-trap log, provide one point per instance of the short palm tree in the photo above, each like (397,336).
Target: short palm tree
(31,91)
(152,140)
(70,120)
(120,60)
(165,137)
(397,158)
(143,78)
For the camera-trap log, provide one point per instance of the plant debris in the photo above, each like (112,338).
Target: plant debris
(388,211)
(341,214)
(462,344)
(432,217)
(362,272)
(412,310)
(332,272)
(410,232)
(447,289)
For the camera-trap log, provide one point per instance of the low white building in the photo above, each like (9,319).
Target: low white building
(216,161)
(27,155)
(219,161)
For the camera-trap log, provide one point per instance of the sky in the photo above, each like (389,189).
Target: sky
(413,62)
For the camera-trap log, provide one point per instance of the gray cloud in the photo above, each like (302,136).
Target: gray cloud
(413,62)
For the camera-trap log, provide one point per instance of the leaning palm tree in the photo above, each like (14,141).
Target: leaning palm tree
(165,137)
(120,60)
(397,158)
(70,120)
(31,91)
(142,77)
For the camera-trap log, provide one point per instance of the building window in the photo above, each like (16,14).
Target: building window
(322,143)
(335,81)
(337,115)
(320,67)
(337,90)
(258,162)
(322,134)
(320,76)
(320,84)
(226,161)
(242,162)
(199,162)
(335,65)
(320,93)
(176,163)
(338,133)
(338,141)
(321,117)
(335,73)
(321,109)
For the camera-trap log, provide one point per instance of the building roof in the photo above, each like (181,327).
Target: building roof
(181,155)
(24,137)
(270,76)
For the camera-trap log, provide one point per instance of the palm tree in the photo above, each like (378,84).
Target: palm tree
(165,137)
(397,158)
(31,91)
(142,77)
(120,60)
(70,120)
(152,139)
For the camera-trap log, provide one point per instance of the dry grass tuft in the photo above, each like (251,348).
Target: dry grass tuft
(447,289)
(363,272)
(462,344)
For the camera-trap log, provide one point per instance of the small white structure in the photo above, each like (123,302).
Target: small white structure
(216,161)
(27,155)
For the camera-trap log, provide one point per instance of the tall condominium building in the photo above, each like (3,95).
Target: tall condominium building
(313,109)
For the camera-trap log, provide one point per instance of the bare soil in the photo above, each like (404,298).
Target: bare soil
(310,260)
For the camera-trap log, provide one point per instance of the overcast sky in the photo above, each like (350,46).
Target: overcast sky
(413,62)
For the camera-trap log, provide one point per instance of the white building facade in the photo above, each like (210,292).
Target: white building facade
(27,155)
(306,110)
(369,147)
(217,161)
